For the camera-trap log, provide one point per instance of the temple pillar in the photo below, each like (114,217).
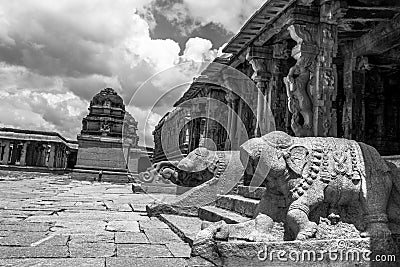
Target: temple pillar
(50,163)
(325,111)
(260,59)
(22,160)
(234,122)
(6,152)
(281,53)
(348,69)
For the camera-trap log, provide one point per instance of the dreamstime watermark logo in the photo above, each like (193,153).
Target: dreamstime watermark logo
(219,97)
(344,252)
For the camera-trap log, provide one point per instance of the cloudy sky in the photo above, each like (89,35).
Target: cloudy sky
(55,55)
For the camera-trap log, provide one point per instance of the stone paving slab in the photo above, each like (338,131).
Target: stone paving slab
(106,237)
(131,238)
(123,226)
(145,262)
(34,238)
(161,236)
(34,252)
(65,262)
(92,250)
(143,251)
(51,220)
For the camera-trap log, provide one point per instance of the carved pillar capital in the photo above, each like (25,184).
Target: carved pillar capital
(258,57)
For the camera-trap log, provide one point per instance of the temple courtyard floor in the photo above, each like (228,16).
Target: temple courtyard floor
(51,220)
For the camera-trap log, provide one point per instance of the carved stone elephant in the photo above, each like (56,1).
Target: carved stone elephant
(304,173)
(197,167)
(221,171)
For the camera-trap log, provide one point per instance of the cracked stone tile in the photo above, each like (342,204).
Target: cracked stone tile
(45,262)
(34,238)
(34,252)
(131,238)
(91,250)
(123,226)
(106,237)
(145,262)
(142,251)
(161,236)
(153,223)
(179,250)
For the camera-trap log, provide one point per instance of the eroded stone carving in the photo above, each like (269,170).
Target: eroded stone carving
(198,167)
(222,171)
(313,177)
(298,79)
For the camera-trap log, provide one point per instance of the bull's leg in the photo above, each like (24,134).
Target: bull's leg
(297,220)
(297,216)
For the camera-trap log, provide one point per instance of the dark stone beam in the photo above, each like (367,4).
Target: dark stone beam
(382,38)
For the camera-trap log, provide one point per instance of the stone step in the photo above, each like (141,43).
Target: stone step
(215,214)
(241,205)
(250,192)
(185,227)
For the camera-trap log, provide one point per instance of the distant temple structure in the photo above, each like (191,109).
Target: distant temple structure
(108,142)
(323,68)
(36,150)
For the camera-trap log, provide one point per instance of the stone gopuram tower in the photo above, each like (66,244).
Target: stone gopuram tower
(102,153)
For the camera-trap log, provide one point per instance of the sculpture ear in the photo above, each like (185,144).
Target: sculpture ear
(296,158)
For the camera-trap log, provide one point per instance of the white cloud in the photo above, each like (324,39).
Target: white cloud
(55,55)
(188,15)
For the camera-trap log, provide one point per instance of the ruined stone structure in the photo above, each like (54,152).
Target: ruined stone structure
(323,68)
(36,150)
(107,140)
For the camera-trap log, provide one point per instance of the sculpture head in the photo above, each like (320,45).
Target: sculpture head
(198,160)
(271,155)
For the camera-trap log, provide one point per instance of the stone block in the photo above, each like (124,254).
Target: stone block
(131,238)
(91,250)
(145,262)
(161,236)
(143,251)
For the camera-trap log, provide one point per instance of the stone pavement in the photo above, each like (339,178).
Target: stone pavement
(51,220)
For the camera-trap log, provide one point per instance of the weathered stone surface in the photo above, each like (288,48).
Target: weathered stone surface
(179,250)
(123,226)
(48,262)
(25,226)
(143,251)
(145,262)
(34,252)
(161,236)
(226,169)
(33,239)
(72,229)
(185,227)
(250,192)
(131,238)
(152,223)
(91,250)
(106,237)
(248,253)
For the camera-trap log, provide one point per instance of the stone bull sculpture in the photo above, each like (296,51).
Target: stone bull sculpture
(303,174)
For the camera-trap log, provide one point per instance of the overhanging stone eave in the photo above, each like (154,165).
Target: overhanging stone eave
(230,47)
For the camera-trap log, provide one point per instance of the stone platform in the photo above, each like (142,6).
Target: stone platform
(52,220)
(339,252)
